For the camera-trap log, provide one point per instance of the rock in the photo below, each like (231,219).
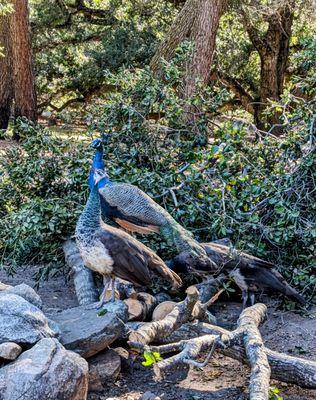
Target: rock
(86,332)
(27,293)
(21,321)
(45,372)
(149,396)
(104,369)
(10,350)
(126,360)
(3,286)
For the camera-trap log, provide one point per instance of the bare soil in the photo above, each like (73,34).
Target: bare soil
(289,332)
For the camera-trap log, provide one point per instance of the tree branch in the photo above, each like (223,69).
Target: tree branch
(239,91)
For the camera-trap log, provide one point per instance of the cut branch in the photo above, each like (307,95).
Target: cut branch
(157,330)
(283,367)
(83,277)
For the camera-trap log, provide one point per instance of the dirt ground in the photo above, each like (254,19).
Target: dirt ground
(223,378)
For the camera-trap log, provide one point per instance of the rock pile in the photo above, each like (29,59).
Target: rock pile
(44,356)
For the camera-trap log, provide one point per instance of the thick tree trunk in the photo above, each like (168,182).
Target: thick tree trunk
(203,35)
(23,74)
(273,49)
(6,89)
(179,31)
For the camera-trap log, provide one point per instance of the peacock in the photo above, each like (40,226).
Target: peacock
(133,210)
(114,253)
(251,274)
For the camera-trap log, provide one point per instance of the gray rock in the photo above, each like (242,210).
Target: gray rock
(21,321)
(45,372)
(104,369)
(27,293)
(10,350)
(86,332)
(149,396)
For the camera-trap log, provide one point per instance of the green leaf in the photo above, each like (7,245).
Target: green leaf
(102,312)
(151,358)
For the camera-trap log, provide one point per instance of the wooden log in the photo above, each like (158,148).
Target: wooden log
(140,308)
(83,277)
(162,310)
(285,368)
(248,323)
(158,329)
(210,287)
(136,310)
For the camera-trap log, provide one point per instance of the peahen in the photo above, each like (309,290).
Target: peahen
(132,209)
(251,274)
(113,252)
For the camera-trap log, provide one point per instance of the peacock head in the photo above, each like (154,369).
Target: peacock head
(97,144)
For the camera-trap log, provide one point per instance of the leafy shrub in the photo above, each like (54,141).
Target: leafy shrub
(42,185)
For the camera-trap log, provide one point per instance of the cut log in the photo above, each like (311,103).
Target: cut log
(140,308)
(163,309)
(156,330)
(136,310)
(83,277)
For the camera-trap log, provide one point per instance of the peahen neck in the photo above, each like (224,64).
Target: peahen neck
(90,219)
(97,163)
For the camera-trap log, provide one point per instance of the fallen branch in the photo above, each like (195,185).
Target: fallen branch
(244,344)
(83,277)
(248,323)
(284,368)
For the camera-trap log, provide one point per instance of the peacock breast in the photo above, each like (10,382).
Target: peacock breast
(96,257)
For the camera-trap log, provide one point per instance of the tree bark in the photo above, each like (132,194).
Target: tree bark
(273,49)
(203,35)
(179,31)
(6,89)
(23,73)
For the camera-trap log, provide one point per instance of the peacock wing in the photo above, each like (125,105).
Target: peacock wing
(128,261)
(131,208)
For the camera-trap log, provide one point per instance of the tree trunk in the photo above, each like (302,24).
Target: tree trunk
(6,89)
(203,35)
(273,49)
(179,31)
(23,74)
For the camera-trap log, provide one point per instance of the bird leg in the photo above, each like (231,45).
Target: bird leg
(113,289)
(252,298)
(244,299)
(99,304)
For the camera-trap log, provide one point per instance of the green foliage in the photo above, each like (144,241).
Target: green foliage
(274,394)
(42,185)
(151,358)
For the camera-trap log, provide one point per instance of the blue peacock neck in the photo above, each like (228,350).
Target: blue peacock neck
(97,163)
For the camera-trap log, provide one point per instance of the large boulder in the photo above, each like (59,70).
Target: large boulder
(45,372)
(87,331)
(21,321)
